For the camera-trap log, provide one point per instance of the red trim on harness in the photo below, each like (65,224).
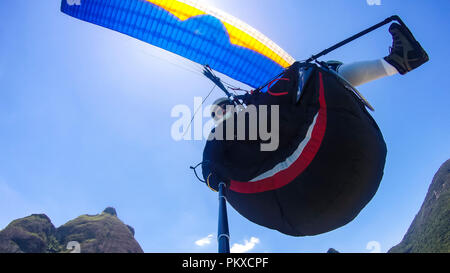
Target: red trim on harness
(286,176)
(277,94)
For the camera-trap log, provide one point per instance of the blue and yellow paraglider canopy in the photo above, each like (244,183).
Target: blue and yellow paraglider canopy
(203,34)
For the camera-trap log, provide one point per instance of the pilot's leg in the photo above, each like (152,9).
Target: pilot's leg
(406,54)
(359,73)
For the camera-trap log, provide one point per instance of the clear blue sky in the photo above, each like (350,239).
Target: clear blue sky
(85,121)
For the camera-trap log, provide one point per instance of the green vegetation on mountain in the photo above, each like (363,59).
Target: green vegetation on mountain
(101,233)
(430,229)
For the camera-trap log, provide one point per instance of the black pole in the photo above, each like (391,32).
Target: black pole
(223,237)
(356,36)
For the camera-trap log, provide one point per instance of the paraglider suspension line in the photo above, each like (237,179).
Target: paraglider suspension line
(196,111)
(208,72)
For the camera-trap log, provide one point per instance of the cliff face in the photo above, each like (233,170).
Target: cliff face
(101,233)
(32,234)
(430,229)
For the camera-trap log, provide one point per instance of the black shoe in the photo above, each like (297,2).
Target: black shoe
(406,53)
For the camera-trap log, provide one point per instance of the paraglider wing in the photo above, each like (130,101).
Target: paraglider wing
(190,29)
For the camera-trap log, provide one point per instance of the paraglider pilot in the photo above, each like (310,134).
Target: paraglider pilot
(331,154)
